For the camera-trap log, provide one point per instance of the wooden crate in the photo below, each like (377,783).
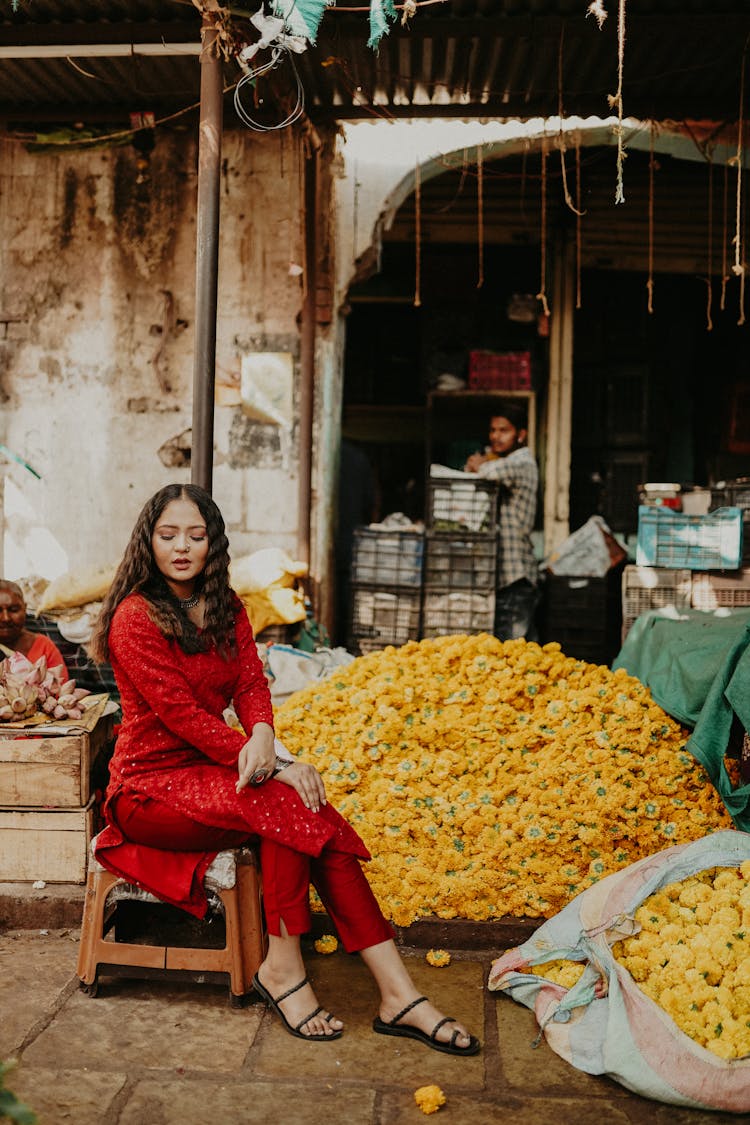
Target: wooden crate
(49,844)
(54,770)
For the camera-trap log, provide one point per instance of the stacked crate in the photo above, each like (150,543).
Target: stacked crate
(386,585)
(584,615)
(690,561)
(735,494)
(48,812)
(460,557)
(649,587)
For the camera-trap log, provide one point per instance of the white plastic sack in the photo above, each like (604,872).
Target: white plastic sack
(291,669)
(586,552)
(624,1034)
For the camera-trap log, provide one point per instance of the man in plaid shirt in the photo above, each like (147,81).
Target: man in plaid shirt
(509,462)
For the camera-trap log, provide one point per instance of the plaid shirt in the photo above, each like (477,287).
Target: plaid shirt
(518,479)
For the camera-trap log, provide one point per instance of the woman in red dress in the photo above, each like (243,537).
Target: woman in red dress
(184,785)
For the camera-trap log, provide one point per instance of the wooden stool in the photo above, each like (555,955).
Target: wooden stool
(233,885)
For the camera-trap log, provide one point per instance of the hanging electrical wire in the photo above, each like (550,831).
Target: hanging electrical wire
(279,54)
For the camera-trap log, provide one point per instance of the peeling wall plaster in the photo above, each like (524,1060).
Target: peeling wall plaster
(97,279)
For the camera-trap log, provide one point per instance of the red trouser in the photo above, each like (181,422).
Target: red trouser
(337,876)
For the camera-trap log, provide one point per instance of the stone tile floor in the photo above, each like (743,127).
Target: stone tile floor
(158,1053)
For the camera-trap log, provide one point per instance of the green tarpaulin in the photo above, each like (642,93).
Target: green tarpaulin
(697,666)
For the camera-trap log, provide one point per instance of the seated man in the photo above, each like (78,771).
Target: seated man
(15,637)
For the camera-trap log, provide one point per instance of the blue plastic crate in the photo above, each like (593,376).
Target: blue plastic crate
(667,538)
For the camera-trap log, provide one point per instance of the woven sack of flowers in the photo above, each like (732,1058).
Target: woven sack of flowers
(624,1034)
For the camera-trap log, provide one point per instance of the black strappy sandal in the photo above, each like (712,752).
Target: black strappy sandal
(275,1002)
(407,1032)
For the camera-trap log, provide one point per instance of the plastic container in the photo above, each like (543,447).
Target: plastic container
(735,494)
(499,371)
(713,591)
(462,504)
(672,539)
(466,562)
(457,612)
(584,615)
(383,617)
(649,587)
(387,558)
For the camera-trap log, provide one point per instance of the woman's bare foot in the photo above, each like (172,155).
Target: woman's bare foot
(299,1003)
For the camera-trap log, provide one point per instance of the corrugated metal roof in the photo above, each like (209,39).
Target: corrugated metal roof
(493,58)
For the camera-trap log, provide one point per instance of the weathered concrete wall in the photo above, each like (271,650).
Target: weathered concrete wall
(96,332)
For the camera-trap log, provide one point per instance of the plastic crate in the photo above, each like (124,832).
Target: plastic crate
(649,587)
(711,591)
(466,562)
(387,558)
(583,614)
(383,617)
(499,371)
(462,504)
(674,539)
(735,494)
(457,612)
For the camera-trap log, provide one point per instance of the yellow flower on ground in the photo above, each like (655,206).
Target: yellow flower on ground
(439,958)
(326,944)
(429,1098)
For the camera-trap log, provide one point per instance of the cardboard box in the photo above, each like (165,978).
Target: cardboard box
(50,770)
(49,844)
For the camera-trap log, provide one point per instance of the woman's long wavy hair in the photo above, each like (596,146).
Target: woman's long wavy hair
(138,573)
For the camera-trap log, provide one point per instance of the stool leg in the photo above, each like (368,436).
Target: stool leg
(98,886)
(233,925)
(252,922)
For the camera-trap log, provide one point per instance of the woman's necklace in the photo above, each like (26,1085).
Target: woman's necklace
(191,602)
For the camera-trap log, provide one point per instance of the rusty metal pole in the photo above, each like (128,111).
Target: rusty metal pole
(307,363)
(207,254)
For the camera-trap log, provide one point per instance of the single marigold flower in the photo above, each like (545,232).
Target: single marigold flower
(429,1098)
(326,944)
(438,958)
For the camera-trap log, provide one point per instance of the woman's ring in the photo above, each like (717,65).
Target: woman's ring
(258,777)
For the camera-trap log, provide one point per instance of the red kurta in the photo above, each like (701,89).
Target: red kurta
(175,746)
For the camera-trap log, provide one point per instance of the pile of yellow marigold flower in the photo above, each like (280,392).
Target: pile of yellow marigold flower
(493,778)
(692,957)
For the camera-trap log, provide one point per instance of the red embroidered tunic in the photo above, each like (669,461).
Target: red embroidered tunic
(175,746)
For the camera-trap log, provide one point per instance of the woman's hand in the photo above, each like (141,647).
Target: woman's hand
(308,783)
(257,756)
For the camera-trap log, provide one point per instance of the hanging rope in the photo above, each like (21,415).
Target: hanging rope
(737,159)
(418,234)
(615,102)
(542,294)
(480,212)
(578,224)
(743,275)
(724,243)
(710,255)
(560,115)
(650,282)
